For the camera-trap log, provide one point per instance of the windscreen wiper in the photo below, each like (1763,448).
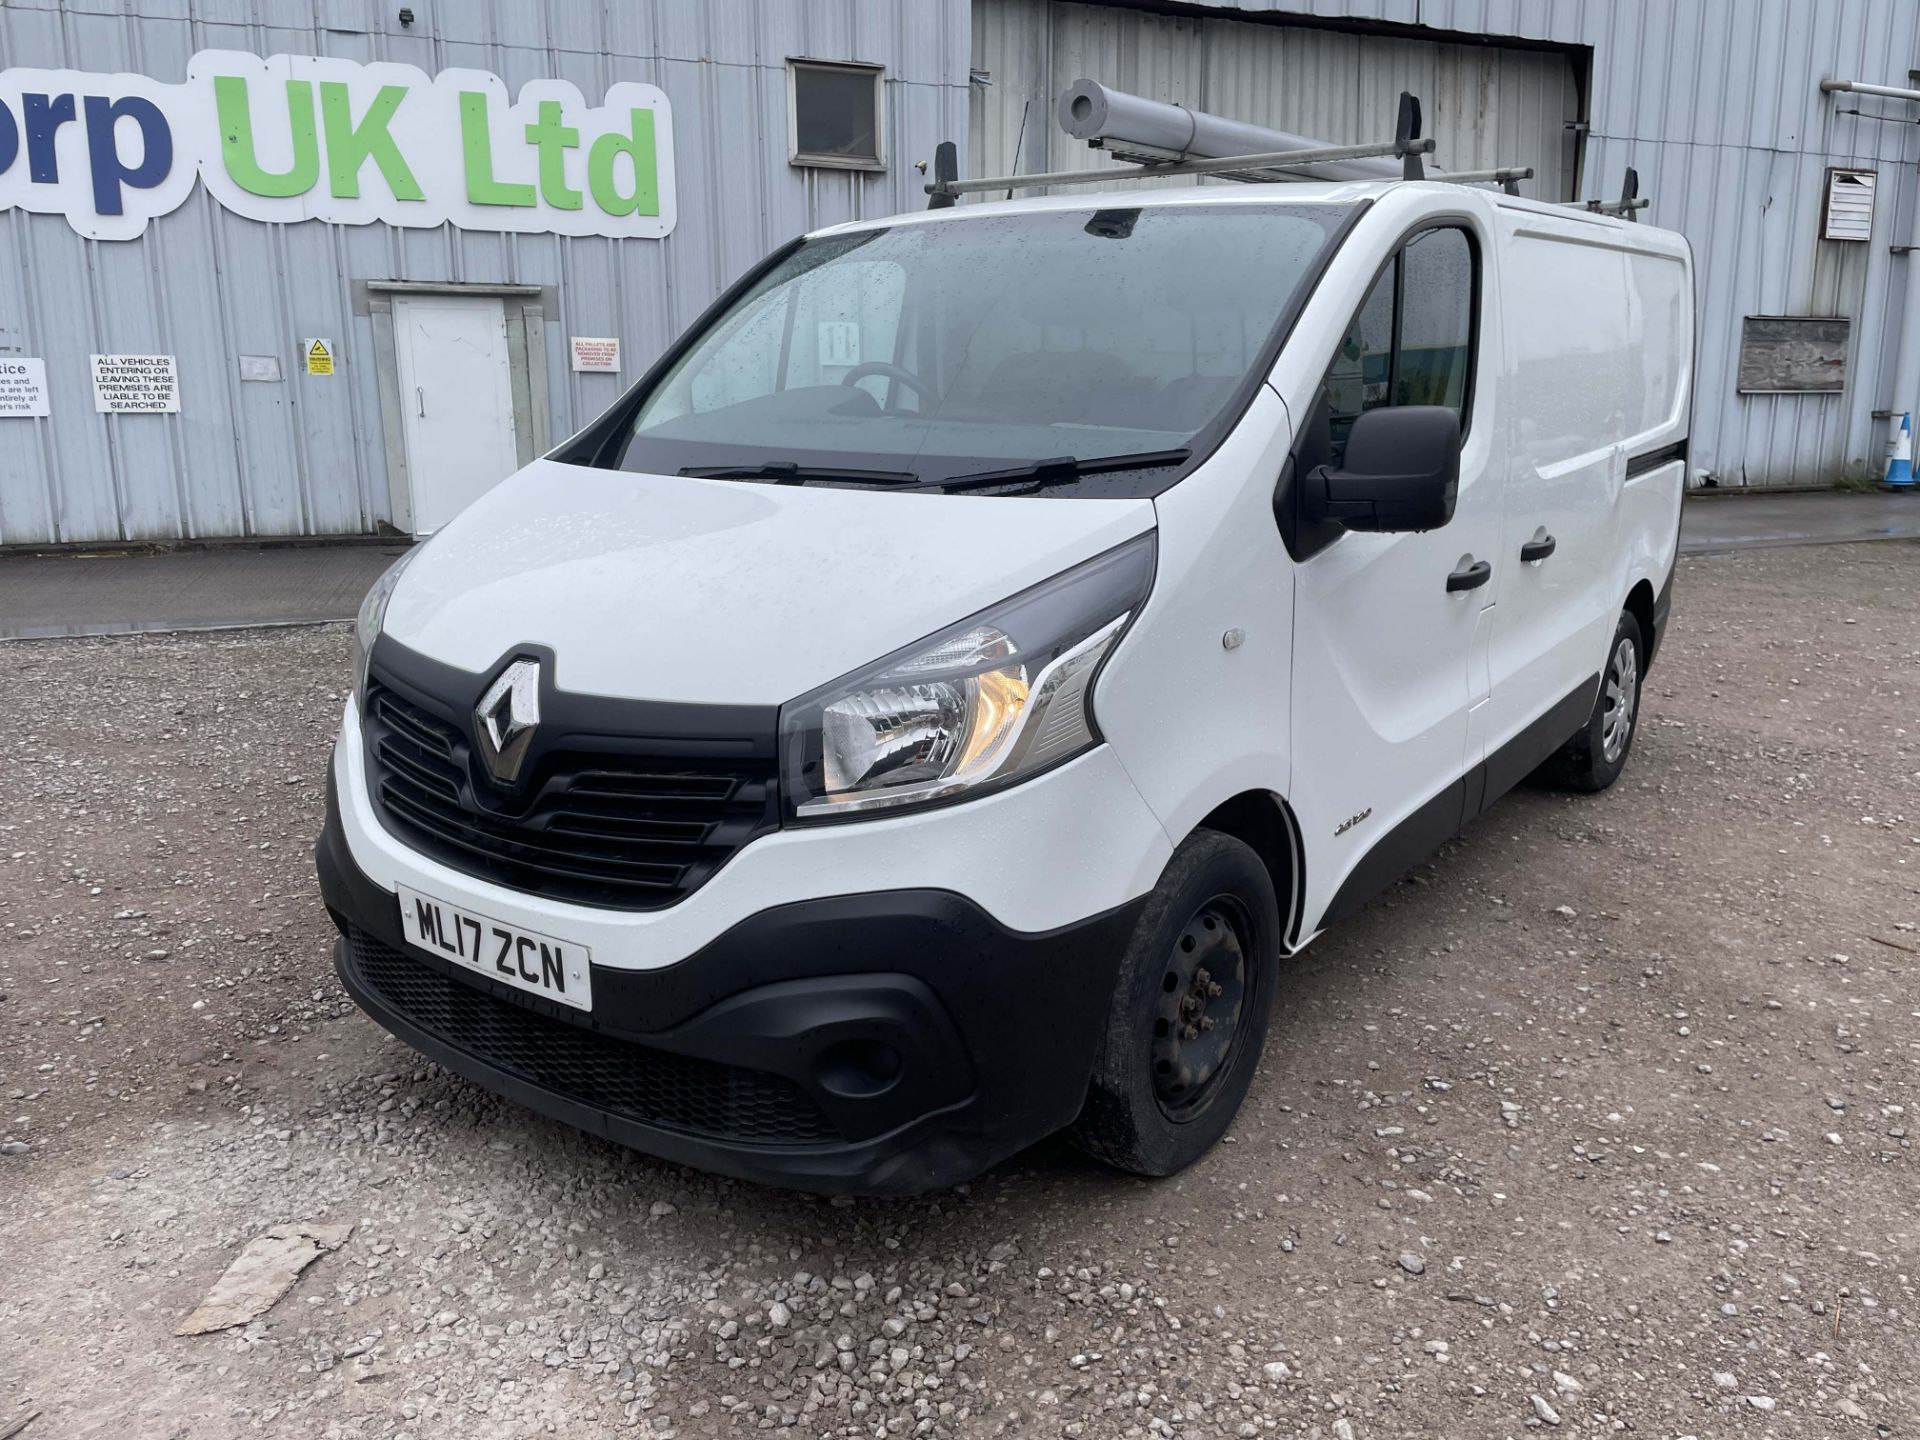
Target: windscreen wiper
(787,472)
(1063,467)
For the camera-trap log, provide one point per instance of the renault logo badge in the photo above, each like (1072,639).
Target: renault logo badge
(506,718)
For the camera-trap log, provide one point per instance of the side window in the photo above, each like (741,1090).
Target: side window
(1411,342)
(1436,321)
(1358,378)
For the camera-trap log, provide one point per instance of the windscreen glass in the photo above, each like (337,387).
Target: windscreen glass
(927,353)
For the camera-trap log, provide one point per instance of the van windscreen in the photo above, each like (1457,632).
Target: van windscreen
(1012,351)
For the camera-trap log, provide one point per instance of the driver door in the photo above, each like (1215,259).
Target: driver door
(1389,658)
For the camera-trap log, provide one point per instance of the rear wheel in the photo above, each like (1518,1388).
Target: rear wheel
(1593,759)
(1189,1011)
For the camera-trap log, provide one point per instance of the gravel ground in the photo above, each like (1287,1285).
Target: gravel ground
(1599,1122)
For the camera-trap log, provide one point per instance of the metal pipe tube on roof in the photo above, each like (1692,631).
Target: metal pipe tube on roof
(1132,127)
(1862,87)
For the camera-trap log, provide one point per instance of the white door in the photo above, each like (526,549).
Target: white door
(1388,669)
(456,402)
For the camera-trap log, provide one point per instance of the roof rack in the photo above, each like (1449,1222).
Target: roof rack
(1140,130)
(1630,200)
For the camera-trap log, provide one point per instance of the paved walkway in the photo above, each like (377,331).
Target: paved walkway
(225,588)
(1752,522)
(234,587)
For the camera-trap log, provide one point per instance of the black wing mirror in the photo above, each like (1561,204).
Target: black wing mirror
(1401,471)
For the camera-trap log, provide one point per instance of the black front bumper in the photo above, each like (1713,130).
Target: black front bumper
(886,1043)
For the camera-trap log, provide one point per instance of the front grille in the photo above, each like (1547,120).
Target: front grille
(599,821)
(632,1082)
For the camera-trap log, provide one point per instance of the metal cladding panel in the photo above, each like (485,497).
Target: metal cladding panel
(1484,104)
(308,456)
(1715,102)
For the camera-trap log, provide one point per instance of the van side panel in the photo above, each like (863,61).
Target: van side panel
(1598,333)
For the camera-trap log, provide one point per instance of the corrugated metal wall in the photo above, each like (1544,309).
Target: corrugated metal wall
(305,456)
(1484,104)
(1717,104)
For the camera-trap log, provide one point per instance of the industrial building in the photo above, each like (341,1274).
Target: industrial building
(297,268)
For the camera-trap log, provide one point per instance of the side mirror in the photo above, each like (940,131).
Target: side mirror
(1401,471)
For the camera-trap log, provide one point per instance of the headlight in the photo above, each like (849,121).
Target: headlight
(1001,696)
(373,615)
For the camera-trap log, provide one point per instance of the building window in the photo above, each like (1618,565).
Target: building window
(836,115)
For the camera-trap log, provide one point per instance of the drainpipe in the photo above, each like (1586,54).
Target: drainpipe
(1906,365)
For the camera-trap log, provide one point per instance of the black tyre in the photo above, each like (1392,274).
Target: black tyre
(1189,1011)
(1593,759)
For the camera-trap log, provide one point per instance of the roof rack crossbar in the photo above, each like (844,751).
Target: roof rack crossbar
(1506,176)
(1143,129)
(1226,165)
(1630,199)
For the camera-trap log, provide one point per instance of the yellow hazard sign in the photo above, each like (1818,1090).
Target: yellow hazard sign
(318,355)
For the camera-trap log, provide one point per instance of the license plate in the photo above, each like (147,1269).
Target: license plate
(525,959)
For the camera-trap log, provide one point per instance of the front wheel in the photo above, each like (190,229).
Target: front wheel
(1189,1011)
(1593,759)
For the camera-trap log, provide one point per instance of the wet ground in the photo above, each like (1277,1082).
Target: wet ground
(1600,1122)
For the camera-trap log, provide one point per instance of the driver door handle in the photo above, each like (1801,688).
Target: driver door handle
(1536,549)
(1470,576)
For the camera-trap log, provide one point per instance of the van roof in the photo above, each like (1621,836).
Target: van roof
(1281,192)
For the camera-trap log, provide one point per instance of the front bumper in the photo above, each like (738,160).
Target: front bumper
(883,1043)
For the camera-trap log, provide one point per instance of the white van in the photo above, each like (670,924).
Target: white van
(926,711)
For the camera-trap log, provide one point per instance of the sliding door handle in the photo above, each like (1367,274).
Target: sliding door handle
(1538,548)
(1471,575)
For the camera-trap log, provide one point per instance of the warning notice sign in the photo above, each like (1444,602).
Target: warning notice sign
(23,386)
(596,352)
(124,384)
(318,355)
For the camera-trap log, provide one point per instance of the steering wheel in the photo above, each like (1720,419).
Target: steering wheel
(893,372)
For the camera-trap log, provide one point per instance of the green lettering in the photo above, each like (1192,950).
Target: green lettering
(645,199)
(553,141)
(477,140)
(350,146)
(236,138)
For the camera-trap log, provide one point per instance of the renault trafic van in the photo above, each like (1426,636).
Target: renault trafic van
(925,712)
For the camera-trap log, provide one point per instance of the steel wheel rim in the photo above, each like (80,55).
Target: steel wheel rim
(1200,1011)
(1620,697)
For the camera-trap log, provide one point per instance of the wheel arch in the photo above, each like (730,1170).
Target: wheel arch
(1264,822)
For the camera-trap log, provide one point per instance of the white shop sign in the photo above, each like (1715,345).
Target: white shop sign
(594,352)
(124,384)
(311,137)
(23,386)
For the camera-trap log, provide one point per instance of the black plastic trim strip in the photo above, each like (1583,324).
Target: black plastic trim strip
(1523,754)
(663,727)
(1399,850)
(1640,464)
(1470,796)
